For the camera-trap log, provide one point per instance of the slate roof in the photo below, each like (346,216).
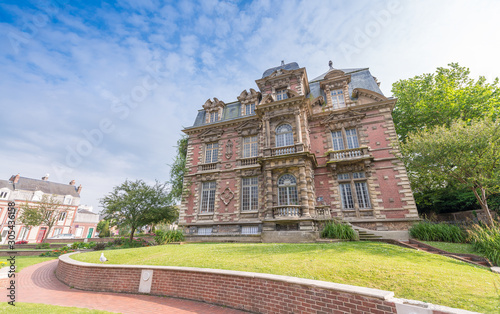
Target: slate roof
(360,78)
(86,211)
(288,67)
(48,187)
(6,184)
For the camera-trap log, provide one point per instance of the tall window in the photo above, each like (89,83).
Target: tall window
(281,94)
(284,135)
(250,146)
(23,234)
(348,136)
(3,194)
(250,193)
(214,116)
(62,216)
(338,100)
(57,231)
(211,152)
(354,181)
(207,197)
(250,109)
(287,190)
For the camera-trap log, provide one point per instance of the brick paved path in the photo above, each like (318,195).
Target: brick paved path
(38,284)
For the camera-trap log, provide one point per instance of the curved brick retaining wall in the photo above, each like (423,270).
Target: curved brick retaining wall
(255,292)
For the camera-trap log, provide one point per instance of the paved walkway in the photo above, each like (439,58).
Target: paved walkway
(38,284)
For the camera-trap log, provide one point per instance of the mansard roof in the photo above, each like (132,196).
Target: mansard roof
(288,67)
(28,184)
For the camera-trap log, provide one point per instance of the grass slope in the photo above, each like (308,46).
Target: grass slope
(37,308)
(409,273)
(460,248)
(25,261)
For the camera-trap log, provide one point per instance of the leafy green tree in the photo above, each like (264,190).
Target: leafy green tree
(466,154)
(435,99)
(103,228)
(136,204)
(178,170)
(46,212)
(447,199)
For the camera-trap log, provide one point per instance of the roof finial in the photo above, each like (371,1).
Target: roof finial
(282,62)
(330,64)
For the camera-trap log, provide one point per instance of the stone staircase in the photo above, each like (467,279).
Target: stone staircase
(468,258)
(365,234)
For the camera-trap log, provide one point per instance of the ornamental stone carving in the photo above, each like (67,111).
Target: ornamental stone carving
(229,149)
(227,196)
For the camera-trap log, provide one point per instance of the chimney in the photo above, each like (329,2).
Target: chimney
(72,182)
(79,189)
(46,177)
(15,179)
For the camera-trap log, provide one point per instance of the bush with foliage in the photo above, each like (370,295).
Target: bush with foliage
(337,230)
(58,252)
(20,242)
(42,246)
(429,231)
(83,245)
(163,237)
(486,239)
(100,246)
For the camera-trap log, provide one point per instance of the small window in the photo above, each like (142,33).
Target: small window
(249,229)
(250,146)
(68,200)
(208,197)
(205,231)
(338,100)
(250,109)
(211,153)
(37,196)
(62,216)
(214,116)
(57,231)
(284,135)
(281,94)
(3,195)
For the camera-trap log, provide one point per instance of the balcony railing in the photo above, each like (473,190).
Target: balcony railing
(346,154)
(287,211)
(285,150)
(208,167)
(248,161)
(322,213)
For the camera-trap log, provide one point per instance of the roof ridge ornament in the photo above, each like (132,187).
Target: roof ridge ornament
(330,64)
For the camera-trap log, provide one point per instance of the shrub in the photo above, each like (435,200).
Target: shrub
(163,237)
(19,242)
(337,230)
(100,246)
(58,252)
(42,246)
(83,245)
(486,239)
(428,231)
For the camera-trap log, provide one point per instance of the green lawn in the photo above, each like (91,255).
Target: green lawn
(25,261)
(37,308)
(460,248)
(409,273)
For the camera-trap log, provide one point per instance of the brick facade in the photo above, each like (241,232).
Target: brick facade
(254,292)
(332,138)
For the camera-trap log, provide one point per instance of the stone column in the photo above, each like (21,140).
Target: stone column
(269,194)
(268,133)
(299,126)
(304,198)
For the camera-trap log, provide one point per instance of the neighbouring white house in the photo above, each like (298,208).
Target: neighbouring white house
(85,223)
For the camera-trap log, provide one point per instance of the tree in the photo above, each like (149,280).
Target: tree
(136,204)
(467,154)
(178,170)
(46,212)
(103,228)
(438,99)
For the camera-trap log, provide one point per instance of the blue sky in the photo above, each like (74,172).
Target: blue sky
(99,91)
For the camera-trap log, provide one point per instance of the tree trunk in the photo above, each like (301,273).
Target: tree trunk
(46,234)
(132,230)
(485,207)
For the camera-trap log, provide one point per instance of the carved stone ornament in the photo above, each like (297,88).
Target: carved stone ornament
(227,196)
(249,128)
(213,105)
(229,149)
(337,120)
(211,135)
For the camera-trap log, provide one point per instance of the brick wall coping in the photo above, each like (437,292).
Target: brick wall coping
(369,292)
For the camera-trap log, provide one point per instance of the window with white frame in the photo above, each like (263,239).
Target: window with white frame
(287,190)
(57,231)
(284,135)
(250,146)
(250,193)
(23,234)
(207,197)
(68,199)
(349,182)
(4,194)
(250,109)
(37,196)
(213,116)
(338,100)
(211,152)
(281,94)
(348,136)
(204,230)
(62,216)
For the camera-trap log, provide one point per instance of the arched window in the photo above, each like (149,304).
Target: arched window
(287,190)
(284,135)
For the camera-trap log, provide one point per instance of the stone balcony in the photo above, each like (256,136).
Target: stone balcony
(287,211)
(248,162)
(285,150)
(348,155)
(214,166)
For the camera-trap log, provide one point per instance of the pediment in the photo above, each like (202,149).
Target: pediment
(246,96)
(351,115)
(267,99)
(358,92)
(334,74)
(211,135)
(213,105)
(249,128)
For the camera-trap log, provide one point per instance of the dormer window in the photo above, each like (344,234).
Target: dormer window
(3,195)
(281,94)
(250,109)
(37,196)
(68,199)
(213,117)
(338,100)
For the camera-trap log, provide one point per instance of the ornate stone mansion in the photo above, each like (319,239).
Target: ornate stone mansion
(276,163)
